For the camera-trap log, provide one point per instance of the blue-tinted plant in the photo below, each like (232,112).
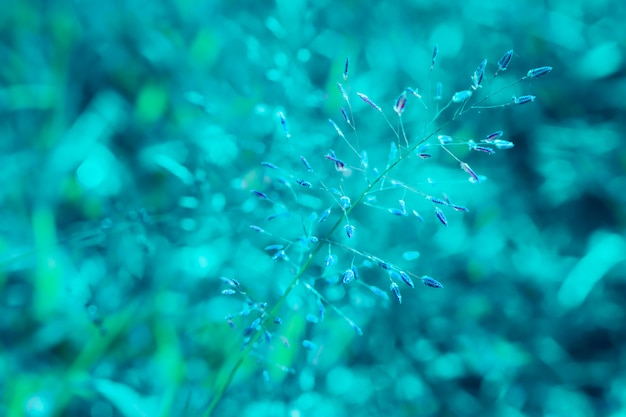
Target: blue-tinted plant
(309,213)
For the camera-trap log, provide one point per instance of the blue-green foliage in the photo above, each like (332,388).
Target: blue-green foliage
(184,231)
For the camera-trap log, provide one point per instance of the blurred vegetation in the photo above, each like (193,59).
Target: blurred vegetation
(132,131)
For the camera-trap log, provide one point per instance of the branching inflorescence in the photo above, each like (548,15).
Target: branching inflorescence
(325,254)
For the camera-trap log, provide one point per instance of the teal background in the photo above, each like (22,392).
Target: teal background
(131,134)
